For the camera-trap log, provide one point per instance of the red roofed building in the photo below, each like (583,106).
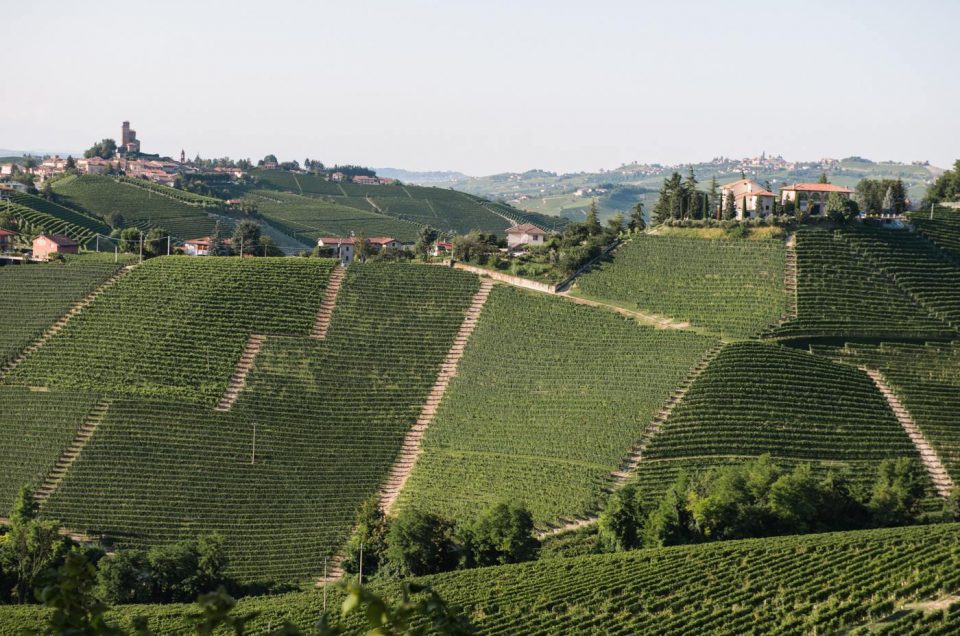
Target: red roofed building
(750,199)
(525,234)
(6,239)
(811,197)
(380,242)
(47,244)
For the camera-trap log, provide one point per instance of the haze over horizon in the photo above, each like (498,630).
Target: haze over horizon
(488,88)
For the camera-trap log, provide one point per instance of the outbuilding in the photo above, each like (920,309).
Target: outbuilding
(525,234)
(47,244)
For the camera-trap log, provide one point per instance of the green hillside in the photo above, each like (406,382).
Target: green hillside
(138,204)
(926,378)
(46,216)
(329,415)
(943,229)
(734,287)
(549,399)
(869,582)
(307,218)
(37,295)
(755,398)
(175,326)
(839,294)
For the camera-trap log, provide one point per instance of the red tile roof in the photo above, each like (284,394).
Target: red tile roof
(526,228)
(7,232)
(59,239)
(817,187)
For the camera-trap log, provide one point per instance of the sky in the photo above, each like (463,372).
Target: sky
(487,87)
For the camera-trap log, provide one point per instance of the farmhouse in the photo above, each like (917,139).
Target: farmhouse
(6,239)
(340,247)
(47,244)
(750,199)
(93,165)
(811,197)
(381,242)
(199,246)
(525,234)
(442,247)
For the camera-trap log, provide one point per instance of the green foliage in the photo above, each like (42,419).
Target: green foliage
(246,236)
(369,537)
(622,520)
(943,229)
(419,543)
(898,491)
(503,534)
(946,188)
(731,286)
(29,548)
(104,149)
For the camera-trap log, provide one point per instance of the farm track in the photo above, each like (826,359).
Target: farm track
(411,448)
(56,327)
(931,461)
(325,313)
(68,456)
(790,278)
(239,378)
(619,477)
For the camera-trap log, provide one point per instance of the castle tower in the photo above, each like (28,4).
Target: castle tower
(125,134)
(183,156)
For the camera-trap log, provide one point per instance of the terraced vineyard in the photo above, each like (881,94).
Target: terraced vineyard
(36,295)
(307,218)
(943,229)
(735,287)
(926,378)
(52,218)
(549,398)
(756,398)
(175,326)
(839,294)
(329,415)
(101,196)
(301,183)
(815,584)
(35,427)
(916,265)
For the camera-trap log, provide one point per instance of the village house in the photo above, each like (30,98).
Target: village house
(47,244)
(340,247)
(750,199)
(200,246)
(93,165)
(384,242)
(441,247)
(338,177)
(811,197)
(6,240)
(525,234)
(361,179)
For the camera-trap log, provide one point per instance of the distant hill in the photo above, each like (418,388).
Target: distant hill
(420,178)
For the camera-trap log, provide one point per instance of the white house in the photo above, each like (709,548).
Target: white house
(525,234)
(750,199)
(341,246)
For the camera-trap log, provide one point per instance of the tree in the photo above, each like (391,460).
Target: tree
(370,535)
(898,194)
(823,178)
(712,202)
(730,207)
(419,543)
(71,164)
(945,188)
(46,190)
(155,242)
(621,524)
(837,207)
(670,522)
(217,247)
(104,149)
(269,159)
(592,222)
(503,534)
(246,236)
(666,201)
(361,248)
(426,237)
(637,222)
(129,240)
(691,207)
(887,206)
(30,547)
(615,224)
(897,492)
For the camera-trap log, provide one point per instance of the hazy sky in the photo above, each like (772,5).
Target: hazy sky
(486,87)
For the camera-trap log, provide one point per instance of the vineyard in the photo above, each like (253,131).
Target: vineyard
(839,294)
(735,287)
(190,198)
(549,399)
(917,266)
(943,229)
(175,326)
(755,398)
(41,215)
(850,582)
(36,295)
(308,218)
(35,426)
(138,204)
(927,381)
(328,417)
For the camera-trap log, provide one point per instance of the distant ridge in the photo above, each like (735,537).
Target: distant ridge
(412,176)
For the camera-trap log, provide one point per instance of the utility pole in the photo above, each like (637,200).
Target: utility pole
(116,253)
(141,246)
(253,451)
(168,245)
(324,585)
(98,242)
(361,563)
(931,211)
